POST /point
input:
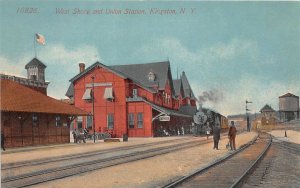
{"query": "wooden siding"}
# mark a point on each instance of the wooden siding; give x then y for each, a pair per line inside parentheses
(19, 130)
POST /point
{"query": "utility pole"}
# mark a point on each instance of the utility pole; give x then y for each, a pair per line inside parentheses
(93, 101)
(247, 115)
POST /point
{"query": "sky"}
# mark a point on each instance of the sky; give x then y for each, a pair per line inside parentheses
(230, 51)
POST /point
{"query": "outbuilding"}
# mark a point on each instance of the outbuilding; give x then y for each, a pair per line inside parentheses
(29, 117)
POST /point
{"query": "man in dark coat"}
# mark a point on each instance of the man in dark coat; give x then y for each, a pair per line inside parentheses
(216, 133)
(231, 135)
(74, 132)
(2, 141)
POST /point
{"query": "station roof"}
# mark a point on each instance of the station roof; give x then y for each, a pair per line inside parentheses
(138, 73)
(177, 86)
(188, 92)
(35, 62)
(18, 98)
(161, 109)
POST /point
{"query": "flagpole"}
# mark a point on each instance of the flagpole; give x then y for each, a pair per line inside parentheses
(34, 45)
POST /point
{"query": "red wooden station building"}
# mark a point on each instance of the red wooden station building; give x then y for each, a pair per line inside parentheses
(28, 116)
(140, 100)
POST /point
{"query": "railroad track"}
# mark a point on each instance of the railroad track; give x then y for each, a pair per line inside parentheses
(229, 171)
(287, 145)
(282, 157)
(58, 172)
(10, 166)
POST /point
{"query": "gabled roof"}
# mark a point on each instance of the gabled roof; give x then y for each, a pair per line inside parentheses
(288, 95)
(139, 72)
(177, 86)
(35, 62)
(267, 108)
(187, 90)
(70, 92)
(18, 98)
(92, 67)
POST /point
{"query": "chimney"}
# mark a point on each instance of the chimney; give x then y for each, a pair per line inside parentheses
(81, 67)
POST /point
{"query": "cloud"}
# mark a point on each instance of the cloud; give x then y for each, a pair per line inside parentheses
(62, 55)
(225, 74)
(11, 67)
(217, 53)
(254, 89)
(223, 53)
(61, 62)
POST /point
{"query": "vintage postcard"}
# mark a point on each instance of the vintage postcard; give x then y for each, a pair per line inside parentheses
(150, 93)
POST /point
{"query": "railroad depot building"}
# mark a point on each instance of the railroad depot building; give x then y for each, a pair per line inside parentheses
(28, 116)
(140, 100)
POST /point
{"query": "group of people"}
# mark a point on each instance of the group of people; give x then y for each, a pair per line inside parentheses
(217, 134)
(79, 135)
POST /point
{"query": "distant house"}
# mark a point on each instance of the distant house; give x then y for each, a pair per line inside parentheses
(266, 120)
(139, 100)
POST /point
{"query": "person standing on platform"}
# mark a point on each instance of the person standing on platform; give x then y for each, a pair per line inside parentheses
(216, 133)
(74, 135)
(231, 135)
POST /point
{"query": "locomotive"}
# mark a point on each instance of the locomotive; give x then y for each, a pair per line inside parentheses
(205, 120)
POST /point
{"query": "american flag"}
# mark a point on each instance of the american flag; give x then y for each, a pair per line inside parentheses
(40, 39)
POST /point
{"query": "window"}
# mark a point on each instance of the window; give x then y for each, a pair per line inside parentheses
(108, 93)
(35, 120)
(140, 120)
(87, 94)
(110, 121)
(134, 93)
(131, 120)
(151, 76)
(79, 122)
(89, 121)
(58, 121)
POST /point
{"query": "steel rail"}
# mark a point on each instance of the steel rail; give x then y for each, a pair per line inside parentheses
(287, 147)
(10, 166)
(199, 171)
(239, 181)
(89, 165)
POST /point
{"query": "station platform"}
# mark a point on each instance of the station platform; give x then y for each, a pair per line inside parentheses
(37, 152)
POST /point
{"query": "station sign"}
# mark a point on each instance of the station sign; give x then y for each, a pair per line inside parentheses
(98, 84)
(164, 118)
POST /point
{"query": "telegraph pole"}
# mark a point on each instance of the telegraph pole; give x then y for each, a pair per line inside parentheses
(247, 115)
(93, 101)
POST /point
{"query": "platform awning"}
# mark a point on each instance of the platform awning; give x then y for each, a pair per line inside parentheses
(160, 109)
(108, 93)
(168, 111)
(87, 94)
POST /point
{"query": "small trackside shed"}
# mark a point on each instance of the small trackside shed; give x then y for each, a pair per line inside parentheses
(29, 117)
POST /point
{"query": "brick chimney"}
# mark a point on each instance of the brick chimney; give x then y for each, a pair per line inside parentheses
(81, 67)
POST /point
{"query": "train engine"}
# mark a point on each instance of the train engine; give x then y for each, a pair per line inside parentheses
(205, 120)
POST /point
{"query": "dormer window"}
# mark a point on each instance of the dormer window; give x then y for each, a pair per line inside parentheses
(134, 93)
(151, 76)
